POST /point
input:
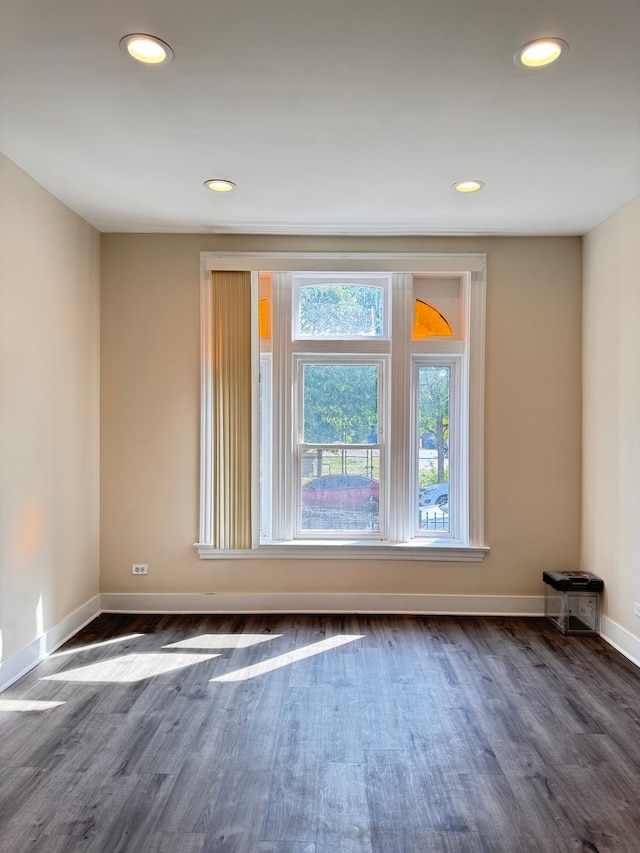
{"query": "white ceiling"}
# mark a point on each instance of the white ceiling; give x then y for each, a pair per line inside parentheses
(333, 116)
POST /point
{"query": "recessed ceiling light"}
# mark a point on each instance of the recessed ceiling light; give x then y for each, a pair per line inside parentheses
(147, 49)
(469, 186)
(540, 52)
(219, 185)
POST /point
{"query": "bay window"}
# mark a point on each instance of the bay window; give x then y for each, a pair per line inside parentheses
(367, 414)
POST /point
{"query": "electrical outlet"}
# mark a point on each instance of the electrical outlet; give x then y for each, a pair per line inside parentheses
(139, 569)
(636, 608)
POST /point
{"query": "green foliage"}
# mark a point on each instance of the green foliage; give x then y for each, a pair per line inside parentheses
(429, 476)
(433, 408)
(340, 310)
(340, 403)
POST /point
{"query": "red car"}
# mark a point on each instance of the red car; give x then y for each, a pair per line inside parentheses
(342, 491)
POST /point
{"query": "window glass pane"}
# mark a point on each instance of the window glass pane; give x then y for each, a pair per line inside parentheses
(265, 448)
(429, 322)
(340, 310)
(340, 404)
(262, 430)
(433, 448)
(340, 489)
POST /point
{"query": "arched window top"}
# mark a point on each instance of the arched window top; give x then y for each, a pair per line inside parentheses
(429, 322)
(340, 309)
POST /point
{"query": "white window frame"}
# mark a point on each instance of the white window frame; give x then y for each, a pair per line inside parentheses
(299, 361)
(300, 280)
(471, 270)
(458, 516)
(266, 416)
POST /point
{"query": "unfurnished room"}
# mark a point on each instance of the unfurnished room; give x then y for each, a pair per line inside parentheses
(319, 447)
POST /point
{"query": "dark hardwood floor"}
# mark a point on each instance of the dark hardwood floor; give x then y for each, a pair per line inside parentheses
(322, 734)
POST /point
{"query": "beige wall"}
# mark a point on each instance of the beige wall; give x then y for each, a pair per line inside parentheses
(611, 460)
(150, 421)
(49, 417)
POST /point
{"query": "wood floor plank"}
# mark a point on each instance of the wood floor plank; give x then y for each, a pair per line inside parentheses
(129, 819)
(291, 813)
(343, 816)
(427, 841)
(340, 730)
(237, 814)
(380, 718)
(194, 793)
(393, 777)
(602, 809)
(175, 842)
(47, 844)
(495, 814)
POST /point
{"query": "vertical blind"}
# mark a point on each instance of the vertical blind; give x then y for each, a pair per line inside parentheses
(232, 396)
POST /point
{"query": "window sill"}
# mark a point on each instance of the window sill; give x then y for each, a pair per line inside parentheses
(437, 551)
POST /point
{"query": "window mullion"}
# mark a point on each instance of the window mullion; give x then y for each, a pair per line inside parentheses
(458, 449)
(282, 470)
(266, 433)
(474, 301)
(401, 477)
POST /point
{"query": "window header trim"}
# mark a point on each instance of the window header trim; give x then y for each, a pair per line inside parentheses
(344, 262)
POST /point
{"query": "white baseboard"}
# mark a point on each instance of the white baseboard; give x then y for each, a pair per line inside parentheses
(454, 605)
(20, 663)
(622, 640)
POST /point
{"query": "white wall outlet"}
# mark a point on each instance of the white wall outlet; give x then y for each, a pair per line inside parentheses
(636, 608)
(139, 569)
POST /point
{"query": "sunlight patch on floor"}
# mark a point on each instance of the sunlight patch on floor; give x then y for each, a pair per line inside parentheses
(27, 705)
(130, 668)
(88, 648)
(289, 658)
(222, 641)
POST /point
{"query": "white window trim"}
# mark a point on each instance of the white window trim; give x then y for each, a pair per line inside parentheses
(354, 278)
(472, 270)
(265, 427)
(382, 363)
(458, 509)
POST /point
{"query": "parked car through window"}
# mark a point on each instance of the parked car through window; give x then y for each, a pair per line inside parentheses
(437, 493)
(342, 491)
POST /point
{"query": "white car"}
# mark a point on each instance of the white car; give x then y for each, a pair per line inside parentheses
(438, 493)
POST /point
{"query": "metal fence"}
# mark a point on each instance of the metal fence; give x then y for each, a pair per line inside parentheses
(313, 518)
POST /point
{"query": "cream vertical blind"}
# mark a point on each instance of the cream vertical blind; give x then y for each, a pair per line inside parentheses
(231, 417)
